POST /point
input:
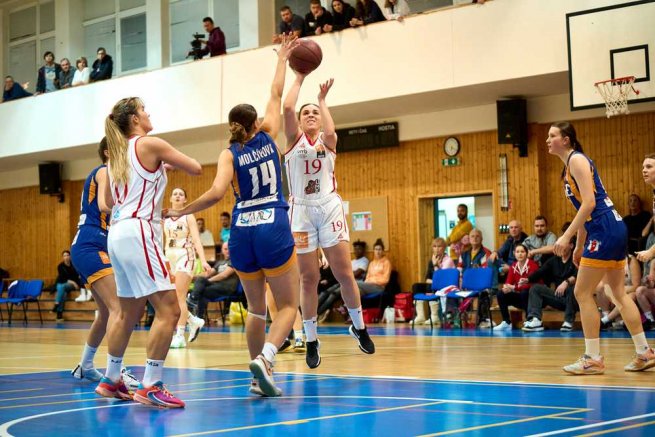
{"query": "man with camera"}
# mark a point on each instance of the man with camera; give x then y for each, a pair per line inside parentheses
(215, 45)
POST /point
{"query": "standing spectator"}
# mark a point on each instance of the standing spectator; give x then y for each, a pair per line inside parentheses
(461, 230)
(636, 221)
(225, 227)
(207, 240)
(82, 73)
(318, 20)
(102, 67)
(215, 44)
(516, 289)
(290, 24)
(66, 74)
(47, 81)
(367, 12)
(396, 9)
(342, 13)
(67, 280)
(540, 244)
(506, 252)
(14, 91)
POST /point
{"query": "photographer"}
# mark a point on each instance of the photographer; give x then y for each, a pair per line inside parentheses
(215, 45)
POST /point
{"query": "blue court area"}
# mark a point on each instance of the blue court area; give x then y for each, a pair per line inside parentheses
(218, 402)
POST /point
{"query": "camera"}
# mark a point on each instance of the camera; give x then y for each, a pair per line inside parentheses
(196, 46)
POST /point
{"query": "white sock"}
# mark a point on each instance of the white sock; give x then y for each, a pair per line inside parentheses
(605, 319)
(641, 345)
(153, 373)
(592, 347)
(357, 317)
(649, 315)
(87, 357)
(269, 352)
(310, 329)
(114, 366)
(606, 313)
(180, 332)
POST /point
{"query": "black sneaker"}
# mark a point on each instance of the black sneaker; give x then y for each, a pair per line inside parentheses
(313, 356)
(361, 335)
(605, 326)
(286, 345)
(648, 325)
(60, 316)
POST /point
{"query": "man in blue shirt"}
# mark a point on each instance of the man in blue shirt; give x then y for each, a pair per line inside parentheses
(225, 226)
(14, 91)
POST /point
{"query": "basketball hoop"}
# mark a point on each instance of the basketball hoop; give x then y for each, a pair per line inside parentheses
(615, 92)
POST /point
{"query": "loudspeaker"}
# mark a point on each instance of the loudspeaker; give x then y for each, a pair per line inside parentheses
(512, 121)
(50, 178)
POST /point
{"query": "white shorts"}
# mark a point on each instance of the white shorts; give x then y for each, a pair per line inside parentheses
(318, 223)
(140, 267)
(181, 260)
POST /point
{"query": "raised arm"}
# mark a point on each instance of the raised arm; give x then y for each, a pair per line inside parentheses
(329, 131)
(105, 200)
(291, 127)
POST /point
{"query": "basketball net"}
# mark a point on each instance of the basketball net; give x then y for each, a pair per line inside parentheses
(615, 92)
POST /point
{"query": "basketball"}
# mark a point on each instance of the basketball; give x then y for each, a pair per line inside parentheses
(306, 57)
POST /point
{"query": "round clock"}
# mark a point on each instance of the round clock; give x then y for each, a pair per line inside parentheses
(451, 146)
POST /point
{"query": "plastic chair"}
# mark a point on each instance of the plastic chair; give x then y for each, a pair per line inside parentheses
(478, 283)
(441, 278)
(239, 297)
(21, 293)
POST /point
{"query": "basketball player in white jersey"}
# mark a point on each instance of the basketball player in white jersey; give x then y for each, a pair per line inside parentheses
(181, 243)
(137, 182)
(316, 214)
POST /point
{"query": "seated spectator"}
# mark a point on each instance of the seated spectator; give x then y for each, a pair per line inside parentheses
(14, 91)
(207, 240)
(516, 289)
(47, 81)
(67, 280)
(636, 221)
(505, 254)
(82, 74)
(318, 20)
(102, 67)
(329, 291)
(360, 262)
(225, 227)
(559, 273)
(610, 313)
(66, 74)
(439, 260)
(379, 271)
(540, 244)
(461, 230)
(222, 280)
(646, 300)
(366, 12)
(342, 13)
(290, 24)
(396, 9)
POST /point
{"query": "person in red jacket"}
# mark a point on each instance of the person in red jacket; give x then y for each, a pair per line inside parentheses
(516, 289)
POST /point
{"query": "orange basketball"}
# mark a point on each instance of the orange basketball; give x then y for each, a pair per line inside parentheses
(306, 57)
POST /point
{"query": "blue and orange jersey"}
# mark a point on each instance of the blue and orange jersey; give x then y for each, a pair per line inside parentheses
(603, 202)
(257, 181)
(90, 214)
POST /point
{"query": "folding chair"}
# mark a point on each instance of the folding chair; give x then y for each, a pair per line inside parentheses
(477, 283)
(441, 278)
(21, 293)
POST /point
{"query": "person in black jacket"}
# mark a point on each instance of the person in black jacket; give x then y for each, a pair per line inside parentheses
(367, 12)
(561, 273)
(318, 20)
(46, 80)
(102, 67)
(342, 13)
(67, 280)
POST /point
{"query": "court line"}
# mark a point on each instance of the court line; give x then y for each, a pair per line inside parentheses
(22, 390)
(623, 428)
(594, 425)
(509, 422)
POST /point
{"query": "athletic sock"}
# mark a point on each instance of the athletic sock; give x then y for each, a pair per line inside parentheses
(87, 357)
(641, 345)
(649, 316)
(153, 373)
(605, 319)
(180, 332)
(114, 366)
(357, 317)
(592, 347)
(269, 352)
(310, 329)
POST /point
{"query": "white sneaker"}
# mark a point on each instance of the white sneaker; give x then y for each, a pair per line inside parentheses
(82, 296)
(178, 342)
(263, 372)
(195, 325)
(504, 326)
(90, 374)
(566, 327)
(533, 325)
(420, 320)
(486, 323)
(129, 379)
(88, 295)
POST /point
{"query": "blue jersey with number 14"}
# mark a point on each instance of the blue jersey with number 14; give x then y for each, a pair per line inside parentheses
(257, 181)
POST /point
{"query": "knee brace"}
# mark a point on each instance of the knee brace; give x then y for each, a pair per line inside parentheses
(257, 316)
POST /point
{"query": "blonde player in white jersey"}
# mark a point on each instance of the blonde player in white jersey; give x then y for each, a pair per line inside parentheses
(137, 179)
(316, 213)
(181, 242)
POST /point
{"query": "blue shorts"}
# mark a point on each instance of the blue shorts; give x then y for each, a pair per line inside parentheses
(89, 254)
(607, 242)
(261, 243)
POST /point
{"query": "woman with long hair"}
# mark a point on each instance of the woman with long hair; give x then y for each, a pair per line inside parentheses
(261, 244)
(600, 252)
(137, 182)
(181, 243)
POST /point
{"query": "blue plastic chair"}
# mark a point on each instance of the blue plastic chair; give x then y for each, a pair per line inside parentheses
(478, 282)
(440, 279)
(21, 293)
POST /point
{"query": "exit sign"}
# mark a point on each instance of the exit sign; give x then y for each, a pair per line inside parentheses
(449, 162)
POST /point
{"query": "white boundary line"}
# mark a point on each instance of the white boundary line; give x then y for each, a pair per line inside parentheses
(593, 425)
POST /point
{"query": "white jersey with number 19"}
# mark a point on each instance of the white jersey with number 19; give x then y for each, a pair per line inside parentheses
(310, 169)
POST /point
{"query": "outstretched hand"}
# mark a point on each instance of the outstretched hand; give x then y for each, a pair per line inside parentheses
(171, 212)
(288, 42)
(324, 89)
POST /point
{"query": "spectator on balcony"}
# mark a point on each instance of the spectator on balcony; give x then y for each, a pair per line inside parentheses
(14, 91)
(82, 74)
(215, 44)
(396, 9)
(66, 74)
(342, 13)
(102, 67)
(290, 24)
(540, 244)
(367, 12)
(317, 19)
(47, 81)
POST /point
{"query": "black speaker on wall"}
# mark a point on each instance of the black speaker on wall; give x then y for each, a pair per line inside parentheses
(50, 178)
(513, 123)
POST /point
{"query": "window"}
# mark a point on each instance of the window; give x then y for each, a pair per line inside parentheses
(131, 4)
(226, 16)
(22, 24)
(133, 42)
(47, 17)
(101, 34)
(22, 63)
